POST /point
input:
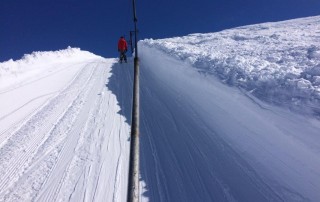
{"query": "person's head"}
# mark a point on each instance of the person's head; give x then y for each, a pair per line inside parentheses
(121, 37)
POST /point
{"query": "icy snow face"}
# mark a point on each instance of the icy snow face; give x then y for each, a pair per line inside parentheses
(277, 62)
(38, 62)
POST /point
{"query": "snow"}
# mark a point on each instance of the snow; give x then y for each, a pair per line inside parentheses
(61, 137)
(208, 141)
(277, 62)
(36, 63)
(204, 140)
(226, 116)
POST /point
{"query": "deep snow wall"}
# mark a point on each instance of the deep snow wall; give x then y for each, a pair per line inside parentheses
(277, 62)
(204, 140)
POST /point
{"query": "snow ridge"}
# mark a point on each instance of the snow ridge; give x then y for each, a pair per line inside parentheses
(276, 62)
(36, 63)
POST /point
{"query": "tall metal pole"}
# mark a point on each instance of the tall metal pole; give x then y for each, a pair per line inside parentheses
(131, 41)
(135, 20)
(133, 183)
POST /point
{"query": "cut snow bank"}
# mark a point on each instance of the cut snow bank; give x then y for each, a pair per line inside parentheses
(36, 63)
(276, 62)
(207, 141)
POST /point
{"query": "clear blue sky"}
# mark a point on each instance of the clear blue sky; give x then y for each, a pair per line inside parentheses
(96, 25)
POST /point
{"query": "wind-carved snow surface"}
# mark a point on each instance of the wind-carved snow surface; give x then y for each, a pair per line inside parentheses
(203, 140)
(276, 62)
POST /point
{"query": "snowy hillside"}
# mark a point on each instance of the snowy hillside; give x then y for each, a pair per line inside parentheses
(277, 62)
(218, 119)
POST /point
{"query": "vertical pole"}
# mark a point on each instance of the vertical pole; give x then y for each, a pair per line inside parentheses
(131, 42)
(135, 28)
(133, 183)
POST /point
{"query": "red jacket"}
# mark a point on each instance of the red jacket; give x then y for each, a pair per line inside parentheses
(122, 44)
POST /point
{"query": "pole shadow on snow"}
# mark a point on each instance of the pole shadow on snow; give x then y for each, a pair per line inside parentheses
(120, 84)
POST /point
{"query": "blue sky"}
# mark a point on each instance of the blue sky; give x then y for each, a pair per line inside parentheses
(96, 25)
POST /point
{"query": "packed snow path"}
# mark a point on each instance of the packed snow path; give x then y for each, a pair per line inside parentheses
(62, 137)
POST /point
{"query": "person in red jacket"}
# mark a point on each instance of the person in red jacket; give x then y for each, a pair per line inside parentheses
(122, 49)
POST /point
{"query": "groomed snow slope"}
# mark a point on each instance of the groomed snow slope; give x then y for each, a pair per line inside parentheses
(61, 136)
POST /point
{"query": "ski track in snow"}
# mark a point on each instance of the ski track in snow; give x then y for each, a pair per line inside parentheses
(37, 78)
(59, 151)
(13, 126)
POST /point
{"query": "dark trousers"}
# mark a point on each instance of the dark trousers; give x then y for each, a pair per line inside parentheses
(123, 55)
